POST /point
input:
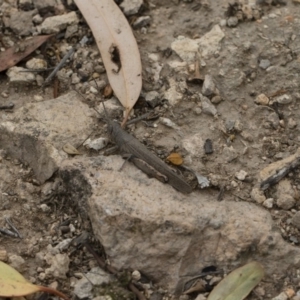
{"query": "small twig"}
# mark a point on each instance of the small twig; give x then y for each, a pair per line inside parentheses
(63, 61)
(140, 296)
(142, 117)
(38, 70)
(9, 222)
(8, 106)
(8, 232)
(59, 66)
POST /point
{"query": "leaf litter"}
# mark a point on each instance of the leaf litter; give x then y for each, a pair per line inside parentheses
(15, 54)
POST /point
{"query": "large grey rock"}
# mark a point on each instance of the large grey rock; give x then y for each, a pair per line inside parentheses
(36, 133)
(146, 225)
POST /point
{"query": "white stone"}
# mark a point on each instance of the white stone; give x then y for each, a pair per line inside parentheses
(186, 48)
(59, 265)
(45, 208)
(96, 144)
(210, 42)
(262, 99)
(131, 7)
(58, 23)
(36, 64)
(136, 275)
(268, 203)
(51, 119)
(20, 75)
(241, 175)
(172, 95)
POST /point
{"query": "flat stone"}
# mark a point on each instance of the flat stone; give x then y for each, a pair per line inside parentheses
(21, 22)
(283, 99)
(207, 107)
(131, 7)
(59, 265)
(56, 24)
(285, 194)
(186, 48)
(172, 94)
(232, 21)
(84, 287)
(20, 75)
(36, 133)
(148, 226)
(208, 87)
(264, 64)
(45, 5)
(210, 42)
(152, 98)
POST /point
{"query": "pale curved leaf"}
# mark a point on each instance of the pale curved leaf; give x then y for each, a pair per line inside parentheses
(239, 283)
(13, 284)
(118, 48)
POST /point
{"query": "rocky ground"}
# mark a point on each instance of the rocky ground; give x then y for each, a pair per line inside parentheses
(235, 122)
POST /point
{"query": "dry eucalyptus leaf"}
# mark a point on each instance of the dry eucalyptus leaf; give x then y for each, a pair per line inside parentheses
(175, 158)
(13, 284)
(68, 148)
(13, 55)
(118, 49)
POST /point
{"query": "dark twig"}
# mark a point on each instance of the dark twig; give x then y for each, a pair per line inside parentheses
(8, 232)
(7, 106)
(59, 66)
(9, 222)
(142, 117)
(63, 61)
(140, 296)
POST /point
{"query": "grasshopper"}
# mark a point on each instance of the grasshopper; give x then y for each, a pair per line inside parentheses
(144, 159)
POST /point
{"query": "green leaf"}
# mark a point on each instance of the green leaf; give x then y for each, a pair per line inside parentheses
(13, 284)
(239, 283)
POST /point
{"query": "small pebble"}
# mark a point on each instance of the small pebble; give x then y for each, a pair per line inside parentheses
(268, 203)
(136, 275)
(264, 64)
(38, 98)
(262, 99)
(216, 100)
(232, 22)
(4, 94)
(241, 175)
(234, 184)
(258, 195)
(45, 208)
(292, 123)
(3, 255)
